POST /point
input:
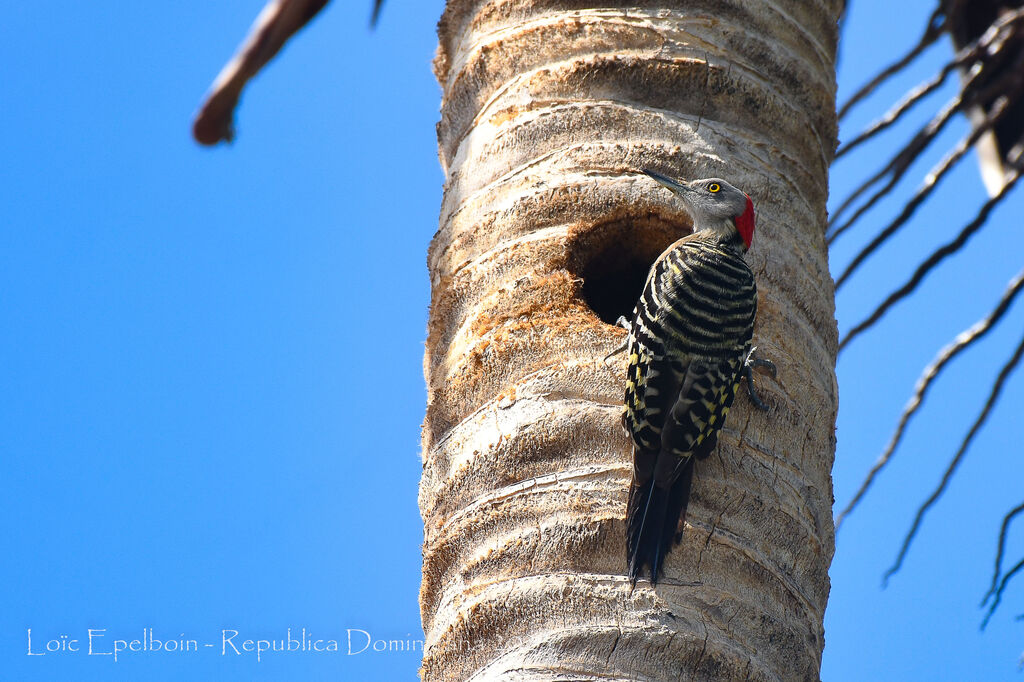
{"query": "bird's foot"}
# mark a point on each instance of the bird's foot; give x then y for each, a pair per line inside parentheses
(749, 365)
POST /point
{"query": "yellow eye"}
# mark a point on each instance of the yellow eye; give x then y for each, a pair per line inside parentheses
(714, 187)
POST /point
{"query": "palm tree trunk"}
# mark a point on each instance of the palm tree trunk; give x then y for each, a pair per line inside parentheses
(546, 232)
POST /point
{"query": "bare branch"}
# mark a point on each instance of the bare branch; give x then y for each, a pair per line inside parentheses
(963, 341)
(899, 164)
(929, 263)
(997, 388)
(969, 95)
(931, 181)
(901, 107)
(936, 24)
(977, 51)
(1001, 548)
(279, 21)
(999, 592)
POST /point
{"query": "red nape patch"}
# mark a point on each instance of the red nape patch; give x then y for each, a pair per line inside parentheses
(745, 223)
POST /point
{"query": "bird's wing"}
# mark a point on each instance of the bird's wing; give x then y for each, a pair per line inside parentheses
(691, 427)
(663, 470)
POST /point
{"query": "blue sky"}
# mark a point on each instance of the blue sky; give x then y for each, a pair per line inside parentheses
(196, 350)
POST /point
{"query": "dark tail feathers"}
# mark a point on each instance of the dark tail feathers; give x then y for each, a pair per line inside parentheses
(653, 515)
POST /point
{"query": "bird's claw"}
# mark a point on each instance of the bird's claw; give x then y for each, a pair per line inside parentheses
(615, 352)
(623, 322)
(749, 365)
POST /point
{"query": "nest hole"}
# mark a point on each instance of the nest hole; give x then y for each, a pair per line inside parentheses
(613, 260)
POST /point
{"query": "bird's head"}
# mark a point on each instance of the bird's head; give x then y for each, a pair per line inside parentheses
(714, 205)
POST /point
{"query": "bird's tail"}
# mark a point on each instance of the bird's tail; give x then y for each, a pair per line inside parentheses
(654, 513)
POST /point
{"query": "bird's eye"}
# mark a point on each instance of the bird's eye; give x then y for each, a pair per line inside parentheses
(714, 187)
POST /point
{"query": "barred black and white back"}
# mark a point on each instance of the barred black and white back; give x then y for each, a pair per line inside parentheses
(689, 338)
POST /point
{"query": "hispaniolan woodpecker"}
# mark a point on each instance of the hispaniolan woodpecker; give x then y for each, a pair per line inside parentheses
(689, 345)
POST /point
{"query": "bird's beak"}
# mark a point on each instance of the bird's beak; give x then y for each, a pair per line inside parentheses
(680, 188)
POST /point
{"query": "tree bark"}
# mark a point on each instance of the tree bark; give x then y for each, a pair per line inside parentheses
(546, 233)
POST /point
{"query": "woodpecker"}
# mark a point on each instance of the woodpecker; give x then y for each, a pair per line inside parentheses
(689, 345)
